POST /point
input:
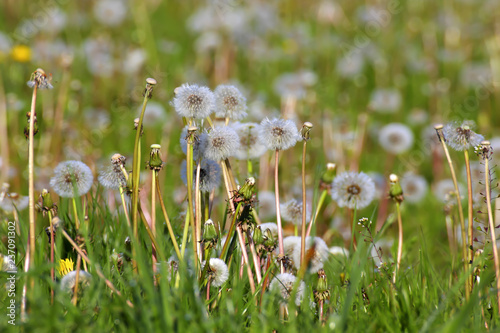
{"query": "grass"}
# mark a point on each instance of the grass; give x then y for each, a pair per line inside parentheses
(89, 116)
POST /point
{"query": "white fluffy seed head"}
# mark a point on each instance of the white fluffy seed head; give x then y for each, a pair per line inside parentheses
(460, 136)
(319, 256)
(71, 177)
(222, 142)
(250, 145)
(396, 138)
(210, 173)
(283, 283)
(217, 272)
(353, 190)
(14, 201)
(278, 134)
(69, 280)
(193, 101)
(414, 187)
(230, 103)
(291, 211)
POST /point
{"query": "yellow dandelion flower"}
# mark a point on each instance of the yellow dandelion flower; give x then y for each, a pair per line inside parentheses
(21, 53)
(65, 266)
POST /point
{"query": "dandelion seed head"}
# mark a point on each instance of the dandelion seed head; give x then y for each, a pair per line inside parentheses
(210, 173)
(278, 134)
(353, 190)
(69, 280)
(291, 211)
(193, 101)
(396, 138)
(444, 190)
(267, 204)
(14, 201)
(217, 272)
(460, 136)
(414, 187)
(110, 12)
(339, 251)
(230, 102)
(385, 100)
(222, 142)
(320, 255)
(70, 176)
(283, 283)
(250, 145)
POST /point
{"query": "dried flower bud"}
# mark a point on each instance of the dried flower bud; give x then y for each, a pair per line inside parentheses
(306, 129)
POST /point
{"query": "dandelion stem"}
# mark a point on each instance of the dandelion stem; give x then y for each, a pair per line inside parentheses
(75, 213)
(459, 205)
(137, 158)
(31, 161)
(318, 209)
(77, 280)
(153, 213)
(278, 214)
(230, 233)
(189, 166)
(245, 258)
(124, 205)
(304, 209)
(400, 241)
(490, 221)
(52, 274)
(167, 220)
(255, 256)
(197, 205)
(470, 215)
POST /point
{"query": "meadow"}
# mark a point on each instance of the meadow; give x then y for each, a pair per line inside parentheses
(260, 166)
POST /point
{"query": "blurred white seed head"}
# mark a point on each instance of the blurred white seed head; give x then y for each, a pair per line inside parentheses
(291, 211)
(110, 12)
(320, 255)
(210, 172)
(193, 101)
(222, 142)
(283, 283)
(250, 145)
(69, 280)
(385, 100)
(71, 176)
(339, 251)
(396, 138)
(267, 204)
(278, 134)
(444, 190)
(353, 190)
(230, 102)
(14, 201)
(414, 187)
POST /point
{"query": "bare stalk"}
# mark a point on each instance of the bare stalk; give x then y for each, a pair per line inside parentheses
(470, 214)
(486, 156)
(439, 131)
(278, 213)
